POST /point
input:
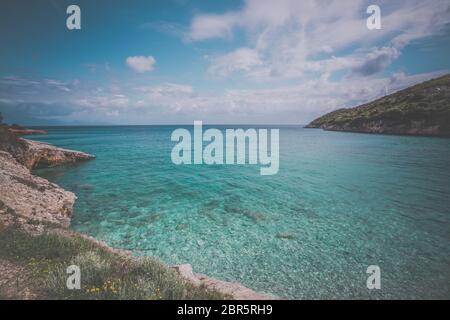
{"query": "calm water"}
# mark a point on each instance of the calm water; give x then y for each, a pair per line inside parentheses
(340, 202)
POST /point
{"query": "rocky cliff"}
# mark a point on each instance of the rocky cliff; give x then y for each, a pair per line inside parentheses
(423, 109)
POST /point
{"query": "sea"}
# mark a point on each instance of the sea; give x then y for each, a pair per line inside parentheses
(340, 203)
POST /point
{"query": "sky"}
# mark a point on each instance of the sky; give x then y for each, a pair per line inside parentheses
(222, 62)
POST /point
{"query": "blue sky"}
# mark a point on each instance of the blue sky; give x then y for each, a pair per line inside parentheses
(170, 62)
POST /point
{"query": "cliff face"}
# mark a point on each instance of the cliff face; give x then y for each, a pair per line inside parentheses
(423, 109)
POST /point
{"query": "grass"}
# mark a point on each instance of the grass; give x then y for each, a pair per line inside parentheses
(104, 274)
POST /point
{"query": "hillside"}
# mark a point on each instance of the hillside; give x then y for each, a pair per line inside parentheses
(423, 109)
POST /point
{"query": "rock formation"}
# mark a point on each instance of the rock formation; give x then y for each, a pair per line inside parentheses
(39, 154)
(34, 154)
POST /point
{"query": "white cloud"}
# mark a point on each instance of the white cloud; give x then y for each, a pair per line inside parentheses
(289, 104)
(294, 37)
(106, 101)
(141, 63)
(181, 103)
(212, 26)
(242, 59)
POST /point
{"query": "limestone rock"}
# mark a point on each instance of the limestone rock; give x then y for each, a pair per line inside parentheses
(41, 154)
(34, 154)
(28, 197)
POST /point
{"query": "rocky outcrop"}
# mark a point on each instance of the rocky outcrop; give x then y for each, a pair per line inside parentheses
(233, 289)
(34, 154)
(26, 198)
(39, 154)
(423, 109)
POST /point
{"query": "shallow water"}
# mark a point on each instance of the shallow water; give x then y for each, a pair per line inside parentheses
(340, 202)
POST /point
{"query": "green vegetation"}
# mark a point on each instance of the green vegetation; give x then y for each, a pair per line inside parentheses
(104, 274)
(423, 108)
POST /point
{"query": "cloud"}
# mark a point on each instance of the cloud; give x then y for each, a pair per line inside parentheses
(298, 60)
(295, 38)
(168, 89)
(182, 103)
(298, 103)
(376, 61)
(140, 63)
(242, 59)
(210, 26)
(107, 102)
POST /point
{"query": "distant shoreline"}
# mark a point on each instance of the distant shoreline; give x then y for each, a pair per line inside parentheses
(420, 110)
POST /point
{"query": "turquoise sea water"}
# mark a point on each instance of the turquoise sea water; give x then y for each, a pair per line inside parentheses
(340, 202)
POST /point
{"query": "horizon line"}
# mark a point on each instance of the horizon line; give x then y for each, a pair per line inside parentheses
(160, 125)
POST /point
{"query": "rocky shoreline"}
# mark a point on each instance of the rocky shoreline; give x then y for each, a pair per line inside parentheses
(35, 205)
